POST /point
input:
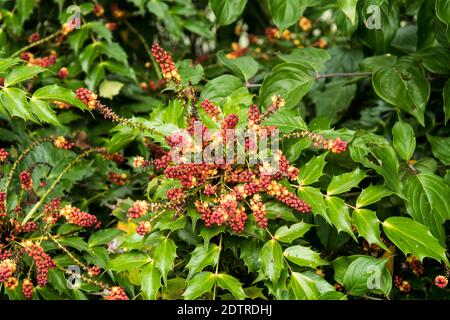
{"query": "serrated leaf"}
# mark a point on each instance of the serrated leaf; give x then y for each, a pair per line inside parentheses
(289, 234)
(315, 198)
(200, 284)
(338, 214)
(150, 281)
(372, 194)
(231, 284)
(129, 261)
(271, 259)
(43, 111)
(277, 210)
(345, 182)
(413, 237)
(22, 73)
(303, 287)
(53, 92)
(312, 170)
(304, 256)
(404, 140)
(368, 225)
(15, 102)
(5, 64)
(165, 254)
(202, 257)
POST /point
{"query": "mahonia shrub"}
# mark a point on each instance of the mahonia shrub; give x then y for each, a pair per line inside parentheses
(224, 150)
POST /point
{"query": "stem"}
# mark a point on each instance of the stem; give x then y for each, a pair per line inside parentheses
(147, 48)
(253, 85)
(35, 44)
(55, 183)
(343, 74)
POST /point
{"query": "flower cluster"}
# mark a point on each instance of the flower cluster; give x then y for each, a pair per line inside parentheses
(119, 179)
(138, 209)
(62, 143)
(51, 211)
(7, 269)
(77, 217)
(42, 260)
(166, 63)
(89, 98)
(26, 182)
(415, 265)
(144, 228)
(27, 288)
(3, 155)
(116, 293)
(212, 111)
(441, 282)
(12, 283)
(403, 285)
(45, 62)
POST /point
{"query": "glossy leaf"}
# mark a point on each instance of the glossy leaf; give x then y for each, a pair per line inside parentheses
(345, 182)
(271, 259)
(289, 234)
(304, 256)
(200, 284)
(231, 284)
(227, 11)
(368, 225)
(312, 170)
(404, 140)
(165, 254)
(372, 194)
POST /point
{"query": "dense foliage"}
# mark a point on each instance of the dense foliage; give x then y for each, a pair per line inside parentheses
(101, 104)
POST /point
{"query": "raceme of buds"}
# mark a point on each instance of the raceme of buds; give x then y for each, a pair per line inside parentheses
(166, 63)
(212, 111)
(7, 269)
(94, 271)
(3, 155)
(144, 228)
(27, 288)
(42, 260)
(51, 211)
(34, 37)
(89, 98)
(119, 179)
(62, 143)
(116, 293)
(26, 180)
(138, 209)
(77, 217)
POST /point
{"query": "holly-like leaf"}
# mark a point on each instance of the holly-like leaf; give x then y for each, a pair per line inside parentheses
(43, 111)
(372, 194)
(165, 254)
(345, 182)
(271, 259)
(128, 261)
(53, 92)
(150, 281)
(413, 237)
(312, 170)
(202, 257)
(200, 284)
(103, 236)
(338, 214)
(303, 287)
(289, 234)
(14, 100)
(404, 140)
(231, 284)
(304, 256)
(368, 226)
(22, 73)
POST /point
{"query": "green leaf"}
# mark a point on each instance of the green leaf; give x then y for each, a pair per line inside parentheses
(44, 112)
(54, 92)
(227, 11)
(128, 261)
(221, 87)
(367, 274)
(375, 63)
(89, 54)
(292, 148)
(150, 281)
(5, 64)
(289, 234)
(158, 8)
(404, 140)
(304, 256)
(114, 51)
(291, 81)
(100, 29)
(349, 9)
(15, 102)
(165, 254)
(338, 214)
(278, 210)
(271, 259)
(24, 9)
(286, 121)
(103, 237)
(446, 98)
(201, 283)
(441, 148)
(312, 170)
(345, 182)
(429, 202)
(74, 242)
(303, 287)
(22, 73)
(190, 72)
(109, 89)
(310, 57)
(435, 59)
(413, 237)
(315, 198)
(199, 27)
(405, 86)
(371, 195)
(368, 226)
(231, 284)
(202, 257)
(443, 13)
(243, 67)
(285, 13)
